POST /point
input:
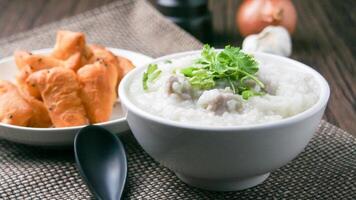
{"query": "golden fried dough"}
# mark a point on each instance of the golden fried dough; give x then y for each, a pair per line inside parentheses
(29, 63)
(109, 60)
(74, 62)
(40, 116)
(36, 61)
(13, 108)
(21, 78)
(69, 44)
(125, 66)
(75, 85)
(21, 58)
(59, 88)
(97, 91)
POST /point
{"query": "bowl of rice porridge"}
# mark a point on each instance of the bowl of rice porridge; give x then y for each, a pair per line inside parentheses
(223, 119)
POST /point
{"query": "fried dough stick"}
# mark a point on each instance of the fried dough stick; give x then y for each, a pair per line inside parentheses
(40, 116)
(71, 45)
(59, 89)
(97, 92)
(29, 63)
(109, 60)
(19, 109)
(125, 66)
(37, 62)
(13, 108)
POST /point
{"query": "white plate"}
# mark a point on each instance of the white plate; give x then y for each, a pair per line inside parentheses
(60, 136)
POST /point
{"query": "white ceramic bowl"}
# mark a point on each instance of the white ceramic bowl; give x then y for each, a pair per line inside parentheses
(224, 158)
(60, 136)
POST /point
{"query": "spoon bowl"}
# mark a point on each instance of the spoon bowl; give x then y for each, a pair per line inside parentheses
(101, 160)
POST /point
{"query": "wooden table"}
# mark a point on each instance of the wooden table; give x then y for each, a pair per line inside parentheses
(324, 39)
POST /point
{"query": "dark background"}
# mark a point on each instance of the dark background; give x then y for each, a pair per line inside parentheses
(324, 39)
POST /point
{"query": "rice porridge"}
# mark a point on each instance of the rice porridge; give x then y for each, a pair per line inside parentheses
(183, 94)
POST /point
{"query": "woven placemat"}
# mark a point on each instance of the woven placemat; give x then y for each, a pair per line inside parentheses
(325, 170)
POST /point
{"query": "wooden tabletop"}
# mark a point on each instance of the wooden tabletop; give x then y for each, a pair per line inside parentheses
(324, 39)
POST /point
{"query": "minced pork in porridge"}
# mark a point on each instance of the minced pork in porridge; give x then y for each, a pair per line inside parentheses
(223, 88)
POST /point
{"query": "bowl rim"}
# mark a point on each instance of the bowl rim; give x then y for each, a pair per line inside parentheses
(319, 105)
(107, 123)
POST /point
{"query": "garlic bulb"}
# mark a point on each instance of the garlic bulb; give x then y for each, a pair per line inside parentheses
(273, 39)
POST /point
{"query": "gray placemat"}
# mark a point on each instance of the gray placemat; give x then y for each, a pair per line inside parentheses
(325, 170)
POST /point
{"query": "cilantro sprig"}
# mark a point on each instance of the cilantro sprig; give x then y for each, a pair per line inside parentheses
(231, 65)
(150, 75)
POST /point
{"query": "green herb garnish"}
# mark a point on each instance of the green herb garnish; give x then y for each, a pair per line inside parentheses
(231, 65)
(250, 93)
(150, 75)
(167, 62)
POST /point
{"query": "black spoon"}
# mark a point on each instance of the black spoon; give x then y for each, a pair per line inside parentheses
(101, 161)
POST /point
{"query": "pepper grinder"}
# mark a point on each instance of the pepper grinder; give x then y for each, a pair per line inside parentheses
(191, 15)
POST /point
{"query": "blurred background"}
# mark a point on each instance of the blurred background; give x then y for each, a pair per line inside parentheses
(21, 15)
(324, 35)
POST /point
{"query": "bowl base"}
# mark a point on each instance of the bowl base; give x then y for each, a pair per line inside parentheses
(223, 185)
